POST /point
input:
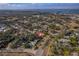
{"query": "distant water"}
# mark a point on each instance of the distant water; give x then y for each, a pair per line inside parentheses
(61, 11)
(39, 11)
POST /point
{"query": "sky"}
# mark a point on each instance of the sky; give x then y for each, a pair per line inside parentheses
(20, 6)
